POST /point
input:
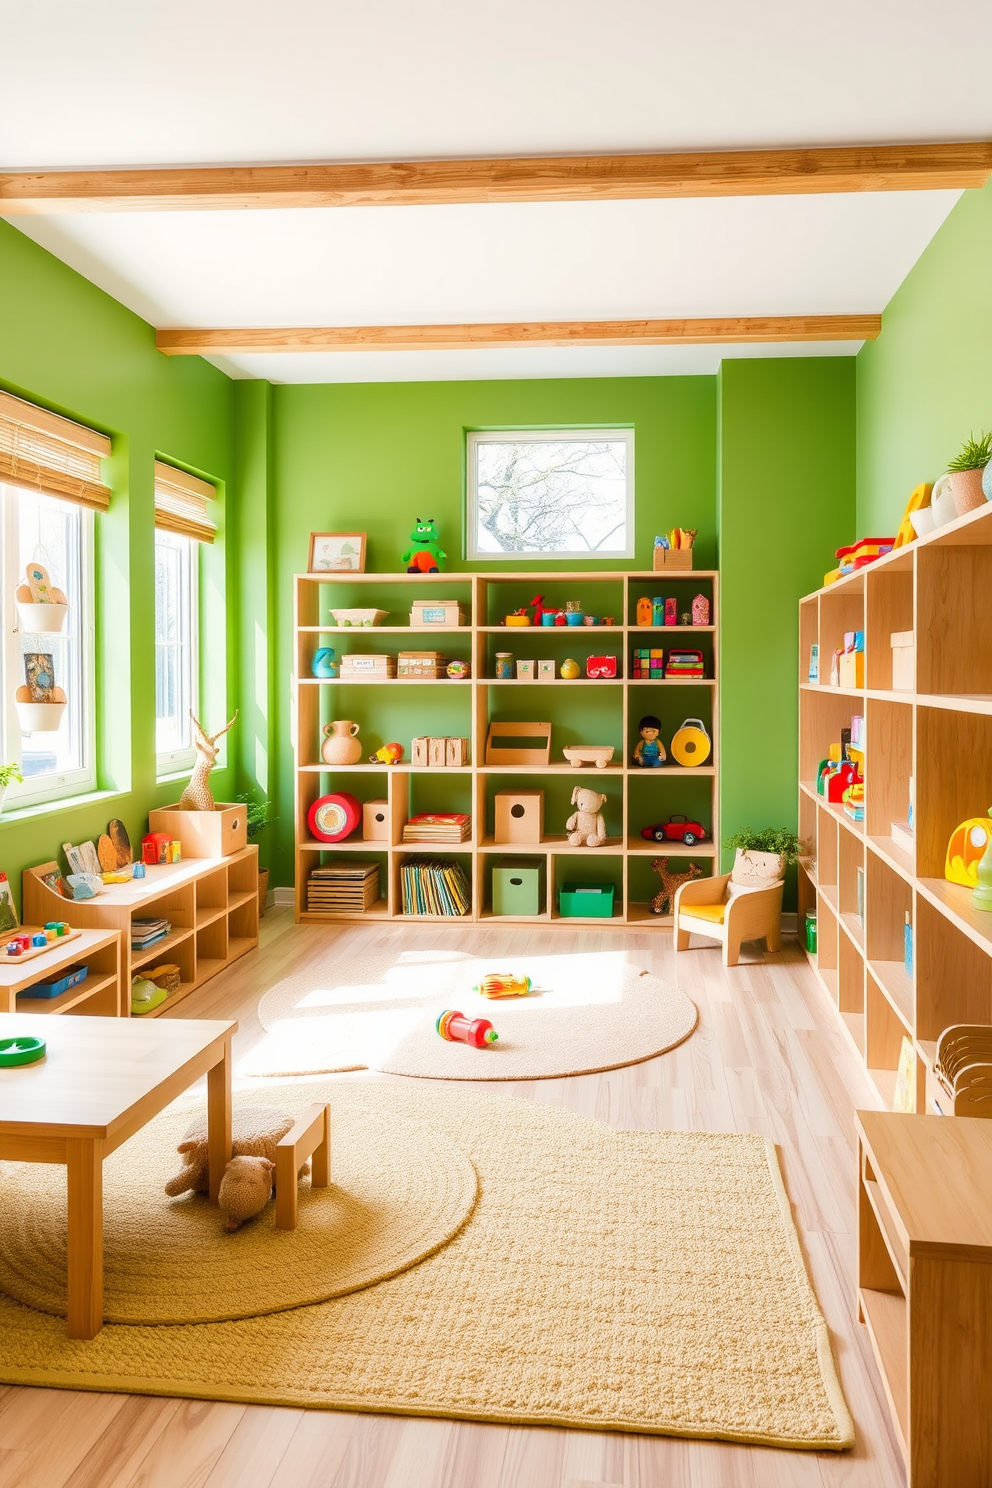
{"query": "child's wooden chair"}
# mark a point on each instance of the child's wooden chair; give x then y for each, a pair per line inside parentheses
(705, 906)
(310, 1137)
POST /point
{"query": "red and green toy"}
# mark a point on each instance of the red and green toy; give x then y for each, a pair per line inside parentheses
(456, 1028)
(426, 555)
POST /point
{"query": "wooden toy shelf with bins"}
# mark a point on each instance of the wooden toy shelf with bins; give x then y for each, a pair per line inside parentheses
(939, 736)
(212, 904)
(100, 995)
(581, 711)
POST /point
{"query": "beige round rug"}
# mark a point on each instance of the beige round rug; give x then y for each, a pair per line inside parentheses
(588, 1012)
(398, 1193)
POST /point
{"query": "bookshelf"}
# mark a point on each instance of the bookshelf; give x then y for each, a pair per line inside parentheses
(583, 711)
(938, 736)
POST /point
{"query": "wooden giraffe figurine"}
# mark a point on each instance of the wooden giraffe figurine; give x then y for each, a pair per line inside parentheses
(197, 795)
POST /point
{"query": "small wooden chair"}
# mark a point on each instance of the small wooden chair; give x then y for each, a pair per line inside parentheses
(309, 1138)
(705, 907)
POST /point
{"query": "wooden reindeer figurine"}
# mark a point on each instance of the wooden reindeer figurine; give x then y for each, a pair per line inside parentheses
(197, 795)
(664, 900)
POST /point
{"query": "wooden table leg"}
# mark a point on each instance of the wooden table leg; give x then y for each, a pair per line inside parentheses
(219, 1120)
(84, 1159)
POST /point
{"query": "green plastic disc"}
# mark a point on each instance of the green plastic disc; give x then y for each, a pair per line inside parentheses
(23, 1050)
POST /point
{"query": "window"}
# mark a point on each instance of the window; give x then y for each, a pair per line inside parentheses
(35, 527)
(548, 493)
(176, 650)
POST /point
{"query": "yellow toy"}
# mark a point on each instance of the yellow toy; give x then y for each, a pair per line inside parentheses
(917, 501)
(966, 849)
(503, 984)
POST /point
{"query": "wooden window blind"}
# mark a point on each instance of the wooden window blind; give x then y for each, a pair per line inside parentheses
(181, 503)
(42, 451)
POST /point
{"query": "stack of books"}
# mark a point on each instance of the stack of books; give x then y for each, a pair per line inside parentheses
(146, 932)
(343, 888)
(685, 664)
(434, 886)
(438, 826)
(375, 665)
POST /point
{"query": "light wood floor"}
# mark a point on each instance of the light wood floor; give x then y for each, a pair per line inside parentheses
(768, 1056)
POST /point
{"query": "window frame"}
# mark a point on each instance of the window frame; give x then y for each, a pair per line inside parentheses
(476, 437)
(61, 785)
(170, 763)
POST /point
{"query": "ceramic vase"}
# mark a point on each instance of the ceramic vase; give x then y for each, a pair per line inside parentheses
(922, 520)
(758, 869)
(942, 502)
(341, 746)
(966, 488)
(987, 481)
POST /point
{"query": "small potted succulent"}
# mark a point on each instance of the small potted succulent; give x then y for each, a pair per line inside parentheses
(8, 774)
(258, 818)
(966, 471)
(762, 856)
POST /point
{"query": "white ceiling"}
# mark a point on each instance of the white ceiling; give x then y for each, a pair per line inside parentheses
(198, 81)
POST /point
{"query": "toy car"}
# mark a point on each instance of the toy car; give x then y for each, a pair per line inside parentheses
(676, 829)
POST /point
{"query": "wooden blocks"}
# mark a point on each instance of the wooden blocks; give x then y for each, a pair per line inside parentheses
(457, 753)
(375, 821)
(439, 753)
(309, 1138)
(519, 816)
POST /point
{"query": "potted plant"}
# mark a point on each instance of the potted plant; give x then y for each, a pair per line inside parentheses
(966, 470)
(8, 774)
(257, 819)
(762, 855)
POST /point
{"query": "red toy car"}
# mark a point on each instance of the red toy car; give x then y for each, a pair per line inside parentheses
(676, 829)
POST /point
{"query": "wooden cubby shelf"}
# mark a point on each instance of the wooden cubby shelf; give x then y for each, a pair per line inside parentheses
(933, 744)
(211, 903)
(581, 711)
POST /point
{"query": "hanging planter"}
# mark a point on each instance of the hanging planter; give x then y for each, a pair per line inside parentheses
(39, 718)
(42, 619)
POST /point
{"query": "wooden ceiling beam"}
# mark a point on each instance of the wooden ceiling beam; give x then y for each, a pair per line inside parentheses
(930, 167)
(726, 329)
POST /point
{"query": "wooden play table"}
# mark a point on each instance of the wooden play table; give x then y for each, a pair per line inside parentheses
(101, 1080)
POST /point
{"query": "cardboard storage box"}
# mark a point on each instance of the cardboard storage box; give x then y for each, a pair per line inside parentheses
(519, 816)
(517, 886)
(204, 834)
(903, 644)
(585, 900)
(669, 558)
(445, 614)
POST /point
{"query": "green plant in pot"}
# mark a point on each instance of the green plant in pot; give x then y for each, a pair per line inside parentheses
(966, 472)
(762, 855)
(257, 819)
(8, 774)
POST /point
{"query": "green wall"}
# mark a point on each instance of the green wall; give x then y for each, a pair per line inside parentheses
(786, 501)
(70, 347)
(926, 383)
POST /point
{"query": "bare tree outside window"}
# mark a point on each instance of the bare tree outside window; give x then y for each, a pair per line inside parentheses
(542, 493)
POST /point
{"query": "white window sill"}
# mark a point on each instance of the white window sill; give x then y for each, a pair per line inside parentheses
(65, 803)
(171, 775)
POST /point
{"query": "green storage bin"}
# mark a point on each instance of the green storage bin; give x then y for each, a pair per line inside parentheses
(517, 886)
(588, 900)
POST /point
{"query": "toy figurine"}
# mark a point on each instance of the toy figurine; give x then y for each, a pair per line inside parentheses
(649, 752)
(426, 555)
(387, 754)
(644, 610)
(664, 900)
(197, 796)
(325, 663)
(455, 1027)
(540, 610)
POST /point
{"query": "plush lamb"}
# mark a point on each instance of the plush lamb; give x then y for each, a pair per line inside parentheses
(255, 1131)
(586, 827)
(245, 1189)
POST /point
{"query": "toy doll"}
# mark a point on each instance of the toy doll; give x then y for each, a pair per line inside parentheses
(649, 752)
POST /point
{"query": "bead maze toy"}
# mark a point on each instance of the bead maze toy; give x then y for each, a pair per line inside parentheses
(456, 1028)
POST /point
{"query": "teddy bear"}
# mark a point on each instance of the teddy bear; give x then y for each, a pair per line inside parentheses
(245, 1189)
(586, 827)
(255, 1134)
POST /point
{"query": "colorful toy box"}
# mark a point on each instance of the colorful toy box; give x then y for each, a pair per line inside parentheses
(647, 663)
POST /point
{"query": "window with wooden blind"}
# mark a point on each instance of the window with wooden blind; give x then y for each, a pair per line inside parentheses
(181, 503)
(41, 451)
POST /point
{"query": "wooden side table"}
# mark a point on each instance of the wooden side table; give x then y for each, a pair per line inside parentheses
(925, 1287)
(101, 1080)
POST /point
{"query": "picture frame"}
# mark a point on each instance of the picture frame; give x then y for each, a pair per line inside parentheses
(337, 552)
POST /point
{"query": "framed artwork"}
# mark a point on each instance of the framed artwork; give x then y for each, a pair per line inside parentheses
(337, 552)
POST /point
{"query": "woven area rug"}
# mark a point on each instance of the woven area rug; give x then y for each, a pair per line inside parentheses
(590, 1012)
(629, 1280)
(398, 1193)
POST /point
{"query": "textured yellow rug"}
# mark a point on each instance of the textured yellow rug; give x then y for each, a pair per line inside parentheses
(588, 1012)
(639, 1281)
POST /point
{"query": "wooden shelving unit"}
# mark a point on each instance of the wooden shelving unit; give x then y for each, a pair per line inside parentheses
(581, 712)
(925, 1287)
(212, 904)
(938, 736)
(99, 995)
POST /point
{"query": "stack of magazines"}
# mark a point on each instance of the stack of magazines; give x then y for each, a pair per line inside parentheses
(435, 886)
(438, 826)
(146, 932)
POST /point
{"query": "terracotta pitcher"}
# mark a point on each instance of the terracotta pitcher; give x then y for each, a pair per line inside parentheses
(341, 746)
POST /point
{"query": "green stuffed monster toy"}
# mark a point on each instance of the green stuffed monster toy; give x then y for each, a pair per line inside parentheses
(426, 555)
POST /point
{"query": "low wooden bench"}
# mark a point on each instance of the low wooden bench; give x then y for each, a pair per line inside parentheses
(309, 1138)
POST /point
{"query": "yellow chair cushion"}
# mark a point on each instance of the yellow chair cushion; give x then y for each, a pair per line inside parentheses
(712, 912)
